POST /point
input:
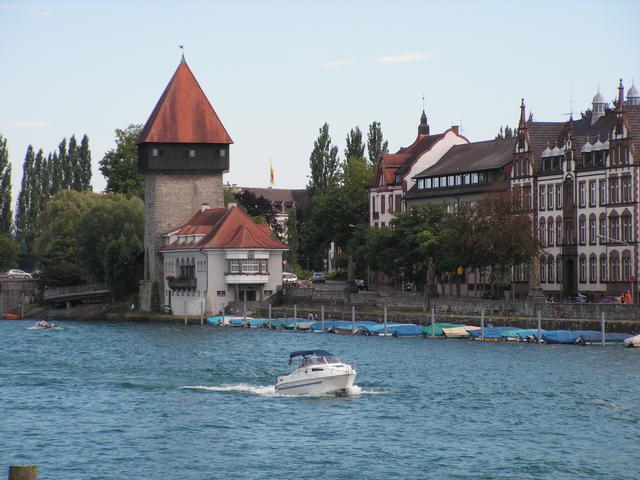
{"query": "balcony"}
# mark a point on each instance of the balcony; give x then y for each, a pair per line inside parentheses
(182, 283)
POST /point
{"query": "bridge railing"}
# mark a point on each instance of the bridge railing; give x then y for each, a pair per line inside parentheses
(74, 289)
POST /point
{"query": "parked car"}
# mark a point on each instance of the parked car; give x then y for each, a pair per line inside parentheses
(289, 279)
(317, 277)
(357, 284)
(15, 273)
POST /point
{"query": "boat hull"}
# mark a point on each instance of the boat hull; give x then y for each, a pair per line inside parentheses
(337, 383)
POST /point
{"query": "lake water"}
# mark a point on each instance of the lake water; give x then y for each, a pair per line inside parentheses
(159, 401)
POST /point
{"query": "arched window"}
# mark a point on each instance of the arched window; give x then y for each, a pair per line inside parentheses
(614, 226)
(550, 232)
(582, 230)
(593, 268)
(603, 229)
(603, 268)
(627, 226)
(593, 229)
(550, 268)
(614, 266)
(583, 268)
(626, 265)
(543, 270)
(558, 231)
(559, 269)
(541, 232)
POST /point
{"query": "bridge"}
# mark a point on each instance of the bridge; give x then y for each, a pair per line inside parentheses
(90, 291)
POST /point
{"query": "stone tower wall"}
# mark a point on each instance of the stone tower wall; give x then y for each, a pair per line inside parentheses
(170, 201)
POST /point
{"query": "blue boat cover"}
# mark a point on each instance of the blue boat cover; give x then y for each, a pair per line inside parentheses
(407, 330)
(489, 332)
(564, 336)
(594, 337)
(306, 353)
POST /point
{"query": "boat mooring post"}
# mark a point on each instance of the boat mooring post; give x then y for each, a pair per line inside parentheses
(201, 314)
(244, 322)
(602, 317)
(353, 319)
(322, 317)
(433, 322)
(482, 325)
(539, 326)
(385, 320)
(185, 313)
(23, 472)
(269, 316)
(295, 317)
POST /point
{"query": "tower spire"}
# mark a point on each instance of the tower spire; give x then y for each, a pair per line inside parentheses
(521, 124)
(182, 60)
(423, 128)
(620, 96)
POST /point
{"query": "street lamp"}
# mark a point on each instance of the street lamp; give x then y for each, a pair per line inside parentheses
(633, 279)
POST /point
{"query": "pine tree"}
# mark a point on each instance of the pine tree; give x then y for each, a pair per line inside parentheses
(355, 146)
(324, 163)
(84, 158)
(5, 188)
(24, 231)
(375, 144)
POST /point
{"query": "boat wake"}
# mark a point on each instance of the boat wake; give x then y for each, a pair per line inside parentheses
(269, 390)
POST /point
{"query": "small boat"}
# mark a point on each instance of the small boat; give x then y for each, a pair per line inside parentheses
(222, 320)
(632, 342)
(459, 332)
(319, 373)
(610, 338)
(42, 324)
(12, 316)
(565, 336)
(437, 329)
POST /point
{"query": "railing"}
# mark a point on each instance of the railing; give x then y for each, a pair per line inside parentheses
(73, 290)
(182, 283)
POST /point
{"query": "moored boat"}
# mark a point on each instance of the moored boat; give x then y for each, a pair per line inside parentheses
(319, 373)
(632, 342)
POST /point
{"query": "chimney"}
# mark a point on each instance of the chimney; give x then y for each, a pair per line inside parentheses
(456, 129)
(231, 205)
(204, 207)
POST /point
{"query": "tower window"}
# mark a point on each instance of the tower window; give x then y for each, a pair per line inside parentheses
(222, 153)
(191, 153)
(154, 152)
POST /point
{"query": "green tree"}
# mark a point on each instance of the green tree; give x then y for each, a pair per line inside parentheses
(84, 164)
(6, 215)
(120, 165)
(25, 230)
(355, 145)
(324, 163)
(110, 236)
(72, 173)
(55, 174)
(376, 145)
(508, 132)
(228, 194)
(8, 252)
(259, 207)
(63, 168)
(293, 240)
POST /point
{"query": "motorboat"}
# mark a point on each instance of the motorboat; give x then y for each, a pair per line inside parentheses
(44, 324)
(319, 373)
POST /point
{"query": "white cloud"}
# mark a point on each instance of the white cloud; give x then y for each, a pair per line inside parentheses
(337, 63)
(404, 57)
(24, 125)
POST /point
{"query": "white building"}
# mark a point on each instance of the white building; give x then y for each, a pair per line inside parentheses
(395, 174)
(219, 258)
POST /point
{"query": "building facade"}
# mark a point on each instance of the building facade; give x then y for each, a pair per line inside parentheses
(580, 181)
(395, 174)
(219, 258)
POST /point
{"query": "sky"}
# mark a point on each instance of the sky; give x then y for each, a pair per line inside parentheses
(276, 71)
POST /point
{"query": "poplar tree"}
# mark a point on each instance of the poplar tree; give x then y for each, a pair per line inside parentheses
(73, 172)
(375, 144)
(355, 145)
(324, 163)
(5, 188)
(55, 174)
(62, 165)
(84, 160)
(24, 230)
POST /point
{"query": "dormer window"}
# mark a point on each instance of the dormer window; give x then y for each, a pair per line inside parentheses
(191, 153)
(222, 153)
(156, 152)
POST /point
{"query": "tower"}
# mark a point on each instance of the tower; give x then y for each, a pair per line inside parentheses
(599, 104)
(423, 128)
(183, 151)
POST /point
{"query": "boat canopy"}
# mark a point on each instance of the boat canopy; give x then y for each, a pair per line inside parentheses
(307, 353)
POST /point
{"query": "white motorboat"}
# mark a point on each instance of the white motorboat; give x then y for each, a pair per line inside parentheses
(632, 342)
(319, 372)
(42, 324)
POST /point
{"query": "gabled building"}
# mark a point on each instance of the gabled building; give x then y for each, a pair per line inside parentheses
(219, 258)
(580, 180)
(395, 174)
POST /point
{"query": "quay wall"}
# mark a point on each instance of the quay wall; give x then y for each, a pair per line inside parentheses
(16, 292)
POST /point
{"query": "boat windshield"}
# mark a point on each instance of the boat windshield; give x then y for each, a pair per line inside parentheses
(332, 359)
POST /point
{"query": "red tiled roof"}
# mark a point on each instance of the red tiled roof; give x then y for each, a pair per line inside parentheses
(183, 114)
(224, 228)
